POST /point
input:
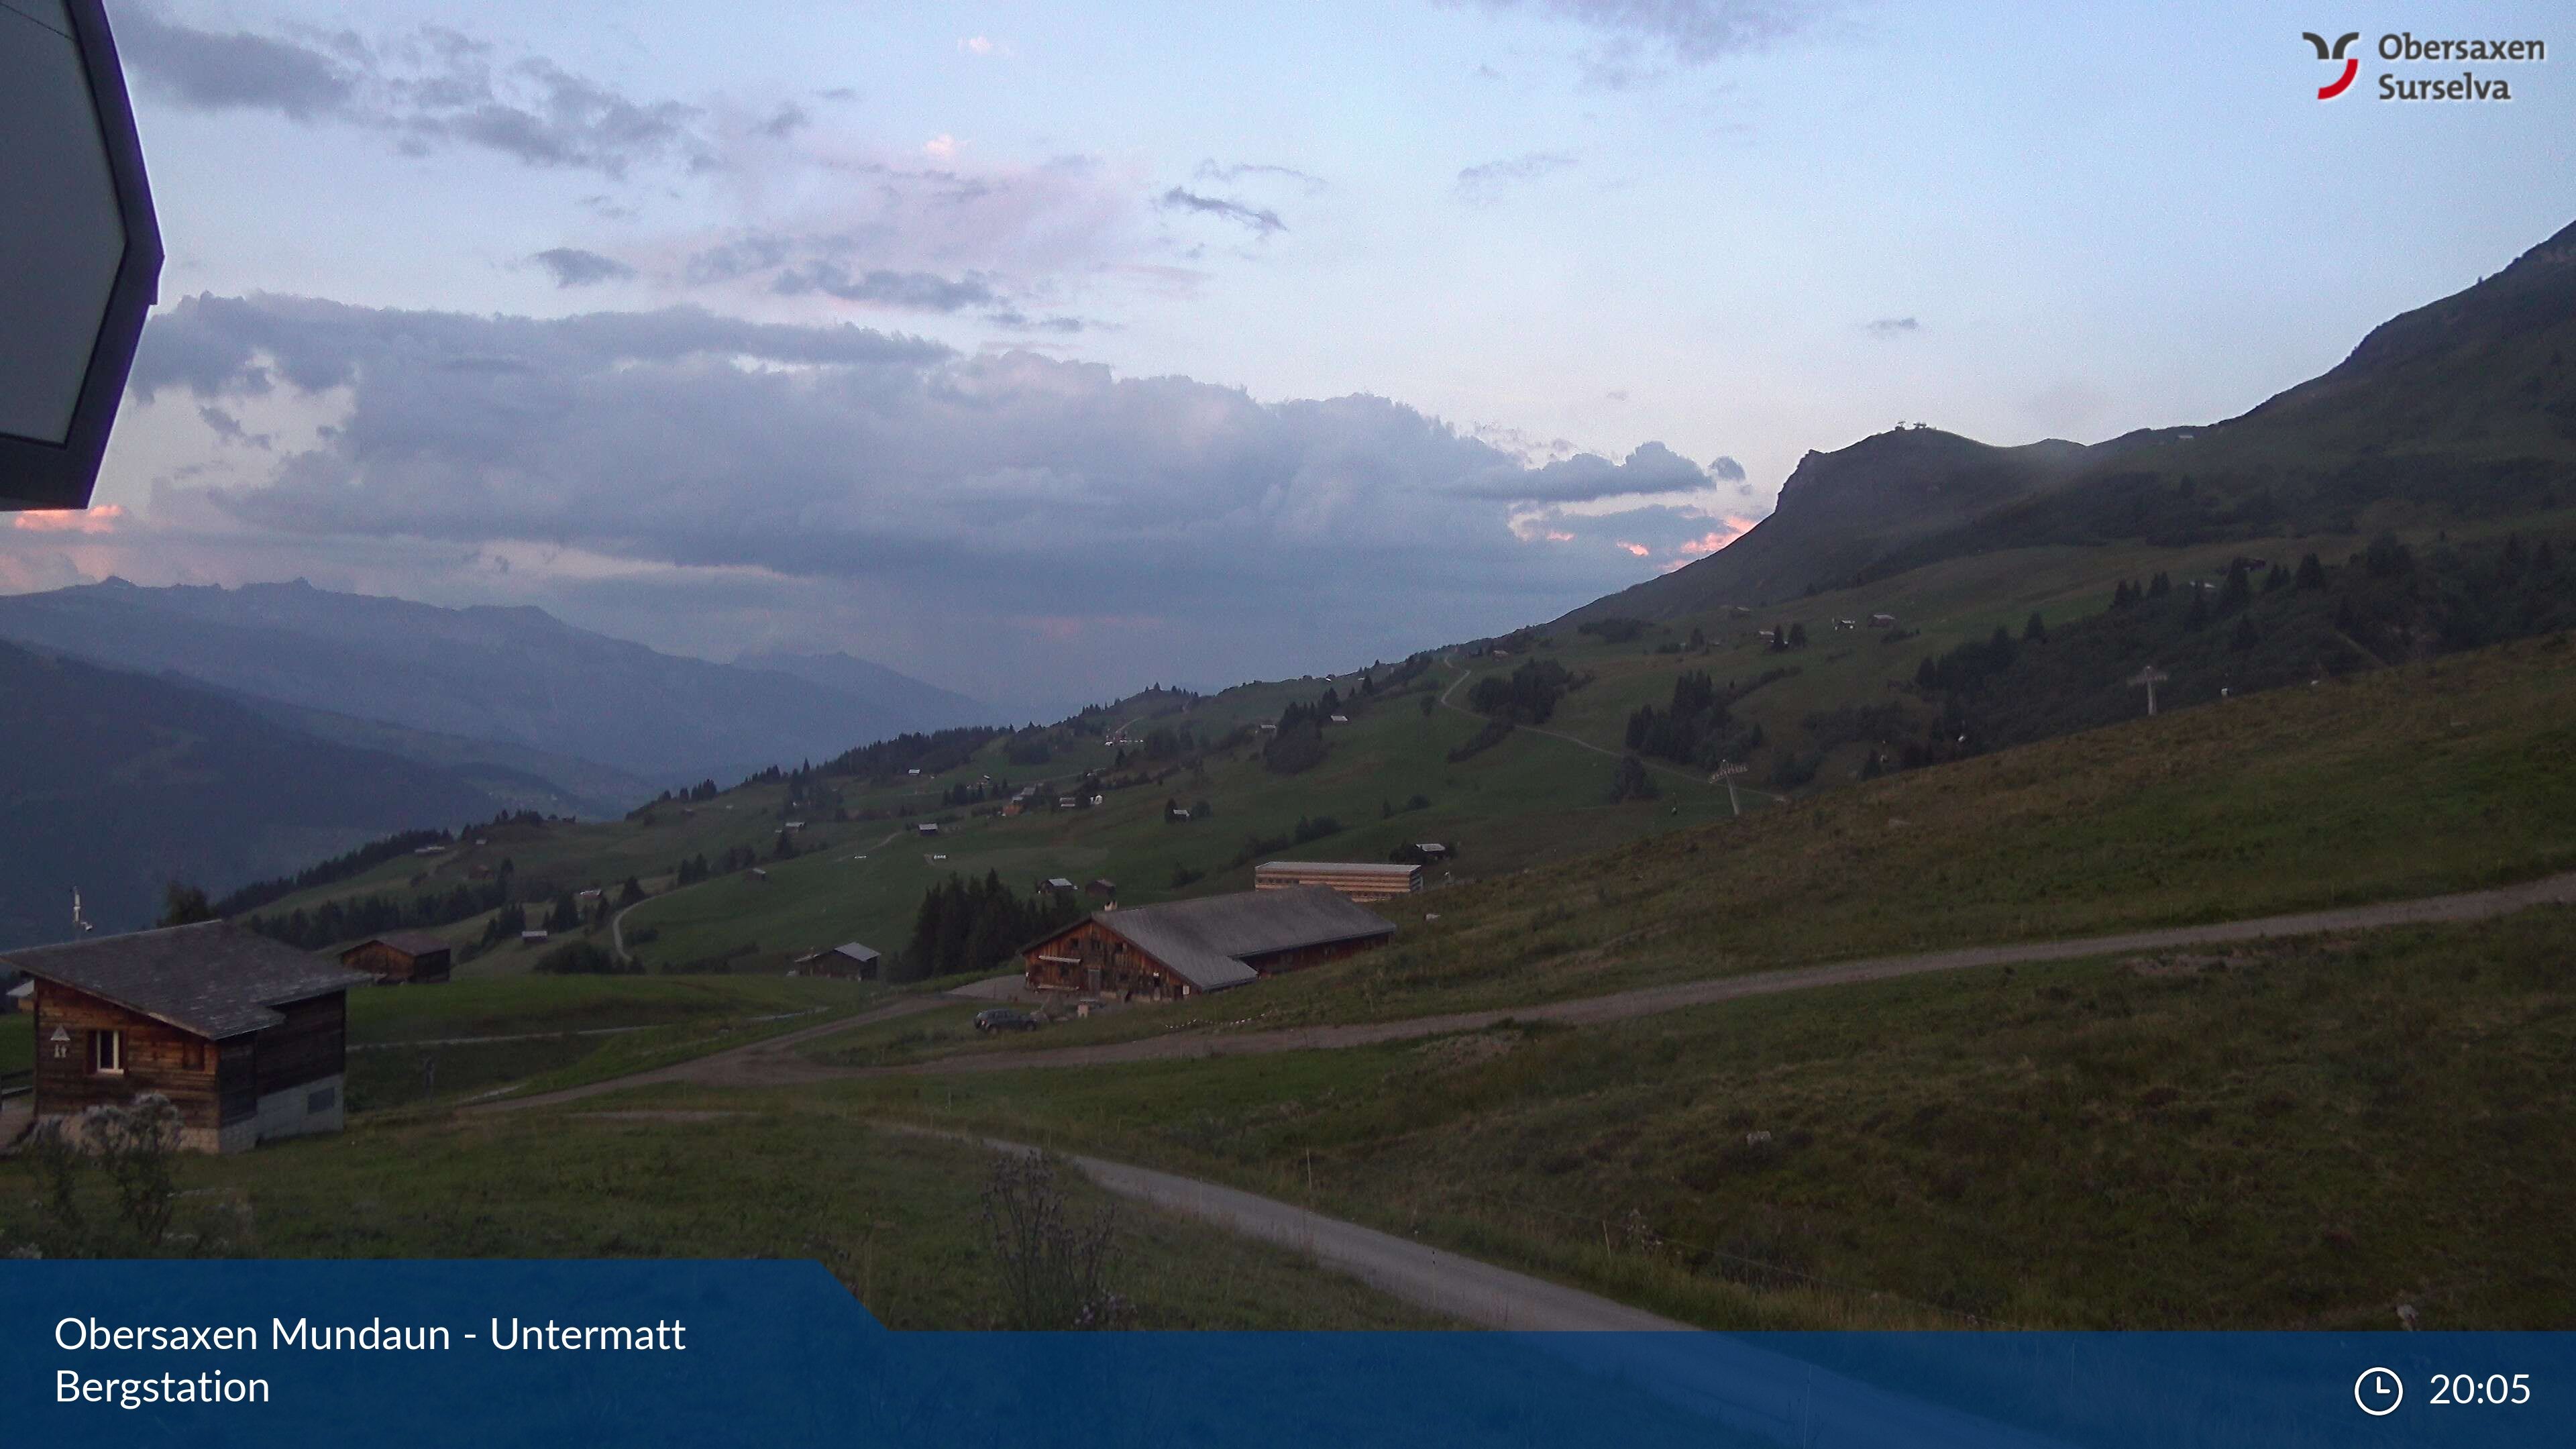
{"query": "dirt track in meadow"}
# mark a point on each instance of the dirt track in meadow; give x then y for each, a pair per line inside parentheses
(779, 1061)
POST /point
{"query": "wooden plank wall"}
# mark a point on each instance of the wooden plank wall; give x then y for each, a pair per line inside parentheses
(156, 1059)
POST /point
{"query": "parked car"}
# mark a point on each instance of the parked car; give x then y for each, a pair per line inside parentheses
(1003, 1018)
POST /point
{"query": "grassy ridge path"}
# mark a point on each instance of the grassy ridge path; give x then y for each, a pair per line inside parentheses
(777, 1062)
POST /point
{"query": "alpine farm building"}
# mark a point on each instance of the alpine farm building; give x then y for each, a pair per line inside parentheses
(402, 957)
(245, 1036)
(1187, 948)
(1360, 880)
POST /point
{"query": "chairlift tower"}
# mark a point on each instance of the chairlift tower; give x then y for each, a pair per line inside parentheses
(1727, 772)
(2150, 676)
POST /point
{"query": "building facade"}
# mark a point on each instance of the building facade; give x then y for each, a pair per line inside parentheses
(245, 1036)
(1358, 879)
(414, 958)
(1181, 949)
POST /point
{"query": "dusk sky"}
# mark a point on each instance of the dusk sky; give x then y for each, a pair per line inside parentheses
(1044, 353)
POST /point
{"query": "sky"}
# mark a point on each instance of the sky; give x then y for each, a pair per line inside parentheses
(1048, 352)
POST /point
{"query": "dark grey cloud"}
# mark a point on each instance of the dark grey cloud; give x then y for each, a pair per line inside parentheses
(1890, 328)
(230, 347)
(573, 267)
(1692, 32)
(1261, 220)
(215, 70)
(918, 291)
(427, 89)
(1726, 470)
(1254, 171)
(1586, 477)
(226, 426)
(1492, 179)
(1023, 322)
(943, 489)
(789, 119)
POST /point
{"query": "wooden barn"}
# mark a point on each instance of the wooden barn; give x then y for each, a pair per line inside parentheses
(401, 957)
(1188, 948)
(847, 961)
(245, 1036)
(1360, 880)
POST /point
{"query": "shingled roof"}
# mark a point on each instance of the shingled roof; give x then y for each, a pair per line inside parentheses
(1205, 939)
(410, 943)
(213, 979)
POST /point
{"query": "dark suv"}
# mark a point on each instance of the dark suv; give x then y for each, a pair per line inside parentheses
(1003, 1018)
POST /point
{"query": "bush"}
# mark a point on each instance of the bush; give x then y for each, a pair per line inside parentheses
(1629, 781)
(131, 1152)
(1054, 1270)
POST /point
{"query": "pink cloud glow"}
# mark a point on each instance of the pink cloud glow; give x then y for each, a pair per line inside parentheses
(1639, 549)
(96, 520)
(1733, 528)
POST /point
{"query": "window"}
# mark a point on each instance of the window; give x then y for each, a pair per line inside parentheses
(107, 1053)
(192, 1056)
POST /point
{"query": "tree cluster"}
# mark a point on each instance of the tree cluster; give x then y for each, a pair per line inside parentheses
(976, 925)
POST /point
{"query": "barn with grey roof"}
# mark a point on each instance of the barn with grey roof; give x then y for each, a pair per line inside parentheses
(1189, 948)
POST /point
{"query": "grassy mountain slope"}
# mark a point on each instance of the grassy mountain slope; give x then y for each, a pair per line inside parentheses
(1841, 511)
(2463, 410)
(516, 676)
(116, 783)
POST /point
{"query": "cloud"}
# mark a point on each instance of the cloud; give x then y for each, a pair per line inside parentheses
(1254, 171)
(917, 291)
(1023, 322)
(216, 348)
(427, 88)
(211, 70)
(962, 495)
(1023, 232)
(98, 520)
(1491, 180)
(786, 121)
(1588, 477)
(228, 428)
(1261, 220)
(1692, 32)
(1726, 470)
(1888, 329)
(977, 45)
(573, 267)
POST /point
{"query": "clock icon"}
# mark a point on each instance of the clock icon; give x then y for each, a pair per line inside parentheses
(2378, 1391)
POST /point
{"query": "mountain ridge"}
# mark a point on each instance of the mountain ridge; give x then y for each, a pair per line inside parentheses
(513, 675)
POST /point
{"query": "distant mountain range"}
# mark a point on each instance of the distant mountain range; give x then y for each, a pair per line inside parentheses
(516, 690)
(2461, 409)
(117, 783)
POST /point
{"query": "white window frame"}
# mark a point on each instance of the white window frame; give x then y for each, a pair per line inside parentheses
(107, 1053)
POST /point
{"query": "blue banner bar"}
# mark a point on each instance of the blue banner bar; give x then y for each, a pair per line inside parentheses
(651, 1353)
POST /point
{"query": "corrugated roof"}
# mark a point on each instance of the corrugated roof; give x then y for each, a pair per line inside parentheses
(854, 951)
(1337, 867)
(410, 943)
(1205, 939)
(213, 978)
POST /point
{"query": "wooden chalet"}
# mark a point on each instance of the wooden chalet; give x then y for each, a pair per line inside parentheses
(1188, 948)
(401, 957)
(1358, 879)
(245, 1036)
(848, 961)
